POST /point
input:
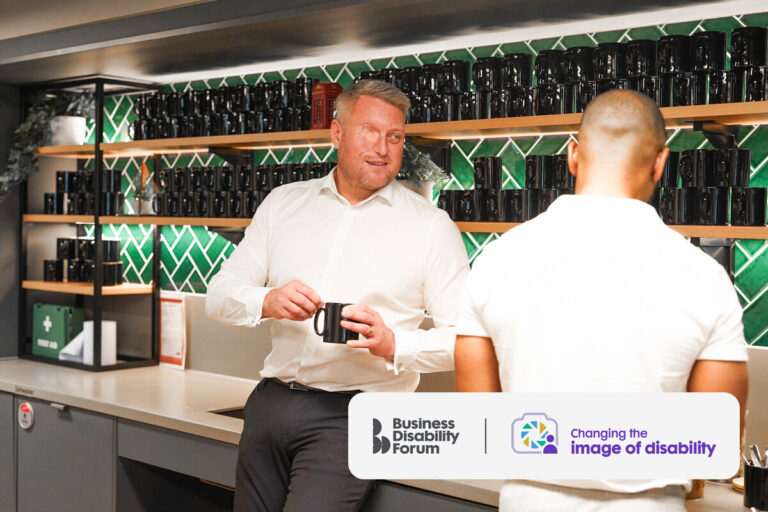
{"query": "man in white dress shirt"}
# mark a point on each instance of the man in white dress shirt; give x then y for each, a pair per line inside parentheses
(355, 236)
(597, 294)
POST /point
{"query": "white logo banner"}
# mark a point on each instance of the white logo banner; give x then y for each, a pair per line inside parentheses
(543, 435)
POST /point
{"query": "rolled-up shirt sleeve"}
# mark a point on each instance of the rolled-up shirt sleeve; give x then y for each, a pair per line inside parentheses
(236, 294)
(445, 269)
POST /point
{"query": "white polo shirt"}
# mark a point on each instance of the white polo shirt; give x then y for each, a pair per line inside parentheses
(597, 294)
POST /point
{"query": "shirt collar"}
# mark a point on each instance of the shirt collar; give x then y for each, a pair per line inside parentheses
(386, 193)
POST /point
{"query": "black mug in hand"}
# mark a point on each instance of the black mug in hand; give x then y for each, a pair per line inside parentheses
(332, 331)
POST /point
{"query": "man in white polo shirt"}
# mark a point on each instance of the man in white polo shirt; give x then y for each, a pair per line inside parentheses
(597, 294)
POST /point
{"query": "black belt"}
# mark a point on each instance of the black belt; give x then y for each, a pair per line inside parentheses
(298, 386)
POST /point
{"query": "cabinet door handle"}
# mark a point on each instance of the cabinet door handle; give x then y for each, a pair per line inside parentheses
(59, 407)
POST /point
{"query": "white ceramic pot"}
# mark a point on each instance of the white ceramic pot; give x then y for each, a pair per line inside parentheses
(423, 188)
(67, 131)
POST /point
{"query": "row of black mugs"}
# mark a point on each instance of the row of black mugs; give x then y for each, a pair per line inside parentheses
(74, 261)
(737, 206)
(82, 271)
(238, 178)
(281, 105)
(82, 203)
(497, 205)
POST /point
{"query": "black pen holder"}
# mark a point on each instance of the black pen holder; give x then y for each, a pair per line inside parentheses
(755, 487)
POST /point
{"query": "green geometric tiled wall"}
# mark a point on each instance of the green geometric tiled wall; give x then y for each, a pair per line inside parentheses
(192, 255)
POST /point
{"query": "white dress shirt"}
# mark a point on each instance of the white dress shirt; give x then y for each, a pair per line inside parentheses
(394, 252)
(597, 294)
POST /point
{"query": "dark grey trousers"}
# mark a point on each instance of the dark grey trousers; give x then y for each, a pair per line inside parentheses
(293, 453)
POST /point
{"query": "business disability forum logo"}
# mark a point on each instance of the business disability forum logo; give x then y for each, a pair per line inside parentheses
(534, 432)
(414, 436)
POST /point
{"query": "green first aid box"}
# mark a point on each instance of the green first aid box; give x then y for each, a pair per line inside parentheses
(53, 327)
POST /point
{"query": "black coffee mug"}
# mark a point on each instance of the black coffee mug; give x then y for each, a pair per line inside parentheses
(719, 86)
(546, 196)
(183, 179)
(187, 204)
(476, 105)
(446, 201)
(278, 176)
(278, 94)
(454, 77)
(160, 204)
(578, 95)
(236, 205)
(732, 167)
(487, 172)
(486, 73)
(712, 205)
(748, 47)
(674, 54)
(408, 79)
(577, 64)
(112, 203)
(749, 84)
(227, 178)
(708, 50)
(111, 250)
(301, 91)
(516, 204)
(697, 167)
(203, 204)
(609, 61)
(523, 101)
(251, 201)
(222, 204)
(65, 248)
(429, 79)
(448, 108)
(539, 171)
(548, 67)
(113, 273)
(648, 85)
(494, 208)
(671, 176)
(467, 209)
(748, 206)
(74, 271)
(87, 271)
(388, 75)
(562, 179)
(610, 85)
(298, 172)
(53, 204)
(172, 205)
(86, 181)
(550, 99)
(166, 179)
(516, 70)
(332, 331)
(501, 103)
(67, 182)
(53, 270)
(641, 58)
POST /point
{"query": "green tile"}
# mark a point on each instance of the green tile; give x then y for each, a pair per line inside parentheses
(756, 20)
(683, 29)
(462, 170)
(485, 51)
(459, 54)
(234, 80)
(514, 163)
(334, 71)
(356, 67)
(429, 58)
(580, 40)
(291, 74)
(610, 36)
(756, 318)
(722, 24)
(652, 32)
(685, 140)
(272, 76)
(405, 61)
(544, 44)
(518, 47)
(253, 78)
(549, 145)
(378, 64)
(754, 277)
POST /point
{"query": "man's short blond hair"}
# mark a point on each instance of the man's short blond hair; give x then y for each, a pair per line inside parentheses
(375, 88)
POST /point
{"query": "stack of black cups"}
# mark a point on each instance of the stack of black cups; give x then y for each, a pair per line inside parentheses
(641, 67)
(748, 59)
(75, 194)
(226, 191)
(282, 105)
(76, 255)
(546, 178)
(710, 187)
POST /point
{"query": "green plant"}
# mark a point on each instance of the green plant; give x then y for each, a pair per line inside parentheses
(418, 167)
(33, 133)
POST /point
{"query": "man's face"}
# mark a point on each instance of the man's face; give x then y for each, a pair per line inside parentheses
(370, 143)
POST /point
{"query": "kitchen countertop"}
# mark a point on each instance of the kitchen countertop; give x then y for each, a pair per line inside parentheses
(183, 401)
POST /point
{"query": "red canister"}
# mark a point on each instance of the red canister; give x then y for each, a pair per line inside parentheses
(323, 99)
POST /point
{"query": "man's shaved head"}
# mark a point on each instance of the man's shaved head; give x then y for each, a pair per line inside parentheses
(625, 123)
(621, 146)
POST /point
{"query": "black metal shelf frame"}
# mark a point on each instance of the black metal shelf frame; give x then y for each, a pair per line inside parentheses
(98, 85)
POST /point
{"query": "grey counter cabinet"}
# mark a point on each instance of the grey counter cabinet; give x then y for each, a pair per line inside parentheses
(66, 461)
(7, 455)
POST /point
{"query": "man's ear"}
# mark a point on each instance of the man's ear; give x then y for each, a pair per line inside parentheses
(573, 155)
(658, 165)
(335, 133)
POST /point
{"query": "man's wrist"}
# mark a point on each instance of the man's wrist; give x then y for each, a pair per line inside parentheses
(266, 305)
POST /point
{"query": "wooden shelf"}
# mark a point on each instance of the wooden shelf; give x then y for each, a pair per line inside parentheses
(740, 232)
(676, 117)
(87, 288)
(57, 219)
